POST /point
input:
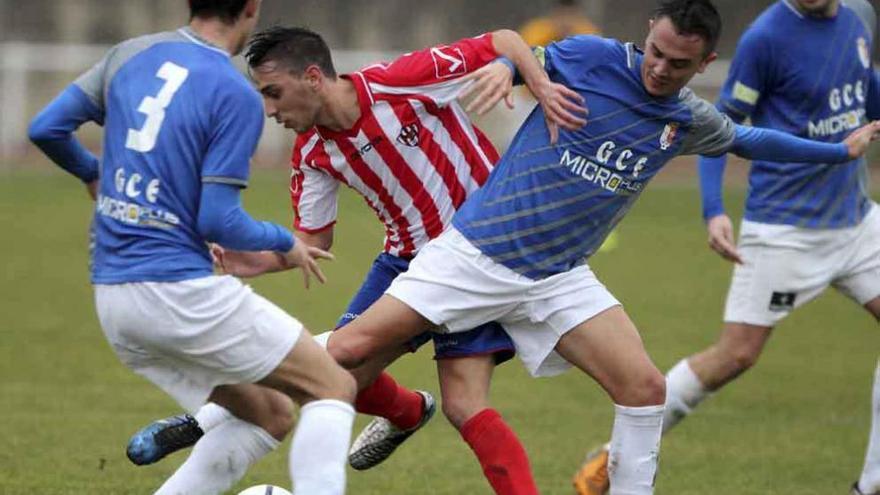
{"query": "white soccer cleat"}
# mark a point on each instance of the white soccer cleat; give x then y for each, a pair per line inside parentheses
(855, 490)
(379, 439)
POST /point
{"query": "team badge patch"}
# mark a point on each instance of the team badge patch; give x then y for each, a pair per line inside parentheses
(668, 136)
(448, 62)
(409, 135)
(782, 301)
(864, 52)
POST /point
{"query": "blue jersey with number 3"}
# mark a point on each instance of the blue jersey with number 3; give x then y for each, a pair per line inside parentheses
(177, 114)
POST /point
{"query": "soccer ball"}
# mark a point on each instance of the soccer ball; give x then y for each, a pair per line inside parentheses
(265, 490)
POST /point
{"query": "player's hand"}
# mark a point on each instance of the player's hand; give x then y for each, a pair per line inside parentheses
(562, 106)
(721, 240)
(861, 138)
(487, 87)
(306, 257)
(92, 189)
(245, 264)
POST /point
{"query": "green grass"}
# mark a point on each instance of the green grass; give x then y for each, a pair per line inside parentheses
(795, 424)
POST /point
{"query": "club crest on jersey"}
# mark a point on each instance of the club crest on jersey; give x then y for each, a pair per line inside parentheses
(864, 52)
(409, 135)
(448, 62)
(668, 136)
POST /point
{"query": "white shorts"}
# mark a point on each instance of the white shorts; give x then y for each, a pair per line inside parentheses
(191, 336)
(456, 287)
(787, 266)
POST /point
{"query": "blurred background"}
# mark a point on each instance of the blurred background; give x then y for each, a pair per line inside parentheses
(44, 44)
(796, 424)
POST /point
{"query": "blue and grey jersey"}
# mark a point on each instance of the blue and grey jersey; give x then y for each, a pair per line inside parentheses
(811, 77)
(546, 208)
(177, 114)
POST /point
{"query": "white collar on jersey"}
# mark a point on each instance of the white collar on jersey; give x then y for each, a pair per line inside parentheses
(191, 35)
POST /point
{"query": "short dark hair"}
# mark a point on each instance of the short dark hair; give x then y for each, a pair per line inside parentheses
(226, 10)
(295, 48)
(696, 17)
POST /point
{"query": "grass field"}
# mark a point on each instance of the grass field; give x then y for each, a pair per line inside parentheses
(795, 424)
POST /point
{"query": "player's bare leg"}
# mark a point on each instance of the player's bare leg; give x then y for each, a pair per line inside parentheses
(387, 324)
(307, 376)
(869, 481)
(367, 345)
(609, 348)
(464, 387)
(688, 383)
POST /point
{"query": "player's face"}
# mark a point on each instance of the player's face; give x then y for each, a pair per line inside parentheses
(671, 59)
(293, 101)
(818, 7)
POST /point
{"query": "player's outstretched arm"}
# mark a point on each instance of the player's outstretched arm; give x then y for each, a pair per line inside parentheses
(766, 144)
(52, 130)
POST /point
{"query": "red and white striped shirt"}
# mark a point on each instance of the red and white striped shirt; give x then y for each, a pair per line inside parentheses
(414, 154)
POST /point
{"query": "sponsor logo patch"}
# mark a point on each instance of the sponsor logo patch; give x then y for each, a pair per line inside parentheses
(448, 62)
(782, 301)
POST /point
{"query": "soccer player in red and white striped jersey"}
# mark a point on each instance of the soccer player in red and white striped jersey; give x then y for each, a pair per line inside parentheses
(397, 134)
(413, 154)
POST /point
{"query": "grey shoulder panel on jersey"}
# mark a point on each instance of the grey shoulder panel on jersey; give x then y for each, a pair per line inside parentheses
(866, 13)
(94, 82)
(711, 132)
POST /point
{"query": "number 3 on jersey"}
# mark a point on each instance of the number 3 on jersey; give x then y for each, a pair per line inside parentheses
(144, 140)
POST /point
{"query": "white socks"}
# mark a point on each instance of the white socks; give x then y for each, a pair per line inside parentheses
(319, 452)
(683, 392)
(219, 459)
(869, 482)
(210, 415)
(635, 446)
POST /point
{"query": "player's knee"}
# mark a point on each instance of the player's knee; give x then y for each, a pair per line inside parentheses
(346, 353)
(646, 389)
(458, 410)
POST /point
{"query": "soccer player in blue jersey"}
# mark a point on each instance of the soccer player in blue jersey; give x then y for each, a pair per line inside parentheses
(517, 252)
(181, 124)
(803, 67)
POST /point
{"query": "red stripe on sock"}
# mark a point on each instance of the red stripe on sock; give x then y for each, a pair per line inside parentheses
(386, 398)
(503, 458)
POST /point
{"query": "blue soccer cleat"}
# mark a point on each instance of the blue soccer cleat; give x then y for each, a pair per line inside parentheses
(163, 437)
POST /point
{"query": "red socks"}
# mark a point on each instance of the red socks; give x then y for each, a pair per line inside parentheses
(502, 457)
(387, 399)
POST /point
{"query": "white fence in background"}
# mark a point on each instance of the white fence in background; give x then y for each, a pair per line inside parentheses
(32, 73)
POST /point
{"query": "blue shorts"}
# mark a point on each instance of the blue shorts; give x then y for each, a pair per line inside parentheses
(485, 339)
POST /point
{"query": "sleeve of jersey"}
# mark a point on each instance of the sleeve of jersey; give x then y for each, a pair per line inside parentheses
(434, 72)
(747, 78)
(223, 220)
(237, 126)
(52, 131)
(767, 144)
(711, 170)
(313, 196)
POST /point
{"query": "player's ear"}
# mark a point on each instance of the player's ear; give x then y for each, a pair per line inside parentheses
(708, 59)
(252, 8)
(314, 76)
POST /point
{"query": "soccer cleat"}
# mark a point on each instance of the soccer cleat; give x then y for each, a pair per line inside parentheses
(855, 490)
(592, 477)
(163, 437)
(379, 439)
